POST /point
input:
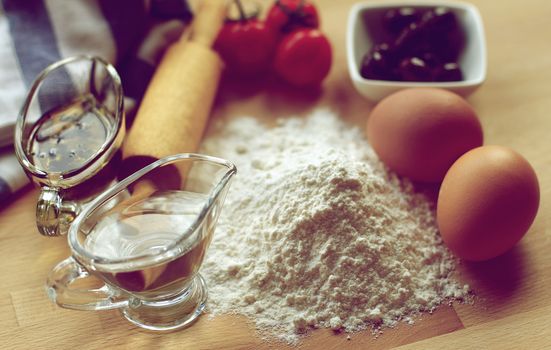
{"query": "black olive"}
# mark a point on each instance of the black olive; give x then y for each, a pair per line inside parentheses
(414, 69)
(449, 72)
(397, 19)
(378, 63)
(431, 60)
(411, 41)
(446, 37)
(440, 21)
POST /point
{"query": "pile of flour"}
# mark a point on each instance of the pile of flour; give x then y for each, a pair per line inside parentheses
(316, 233)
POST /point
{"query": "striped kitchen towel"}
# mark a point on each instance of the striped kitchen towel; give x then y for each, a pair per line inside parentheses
(131, 34)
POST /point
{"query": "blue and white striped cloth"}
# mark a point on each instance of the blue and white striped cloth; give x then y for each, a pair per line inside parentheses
(131, 34)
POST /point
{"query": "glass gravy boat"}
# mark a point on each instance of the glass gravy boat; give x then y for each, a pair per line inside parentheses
(68, 137)
(144, 240)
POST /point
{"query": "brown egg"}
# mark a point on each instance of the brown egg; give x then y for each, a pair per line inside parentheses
(488, 200)
(419, 133)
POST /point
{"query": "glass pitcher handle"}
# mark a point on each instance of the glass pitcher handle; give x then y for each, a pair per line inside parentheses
(53, 215)
(58, 287)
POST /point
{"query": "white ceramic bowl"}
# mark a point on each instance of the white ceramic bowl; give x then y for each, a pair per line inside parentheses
(359, 41)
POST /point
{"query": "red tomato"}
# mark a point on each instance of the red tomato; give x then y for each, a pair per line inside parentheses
(247, 46)
(288, 15)
(303, 57)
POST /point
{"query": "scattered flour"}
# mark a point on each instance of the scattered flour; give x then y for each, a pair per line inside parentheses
(316, 233)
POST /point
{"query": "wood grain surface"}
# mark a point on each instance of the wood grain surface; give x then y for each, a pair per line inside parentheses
(512, 309)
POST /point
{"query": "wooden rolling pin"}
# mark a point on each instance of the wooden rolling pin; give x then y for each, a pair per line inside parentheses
(174, 111)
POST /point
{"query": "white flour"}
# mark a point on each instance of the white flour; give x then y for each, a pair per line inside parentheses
(316, 233)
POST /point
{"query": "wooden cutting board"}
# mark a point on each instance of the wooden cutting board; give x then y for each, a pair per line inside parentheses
(512, 309)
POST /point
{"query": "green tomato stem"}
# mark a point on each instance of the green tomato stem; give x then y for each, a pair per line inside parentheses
(241, 10)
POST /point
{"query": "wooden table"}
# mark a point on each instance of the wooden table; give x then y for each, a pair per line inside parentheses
(513, 305)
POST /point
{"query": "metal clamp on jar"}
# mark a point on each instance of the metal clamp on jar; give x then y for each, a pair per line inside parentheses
(68, 137)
